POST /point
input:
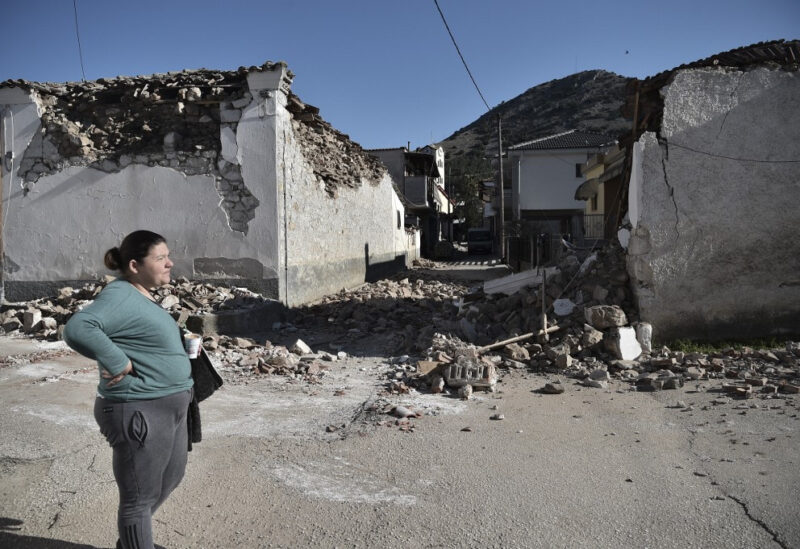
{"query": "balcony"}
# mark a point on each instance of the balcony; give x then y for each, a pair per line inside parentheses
(593, 226)
(416, 189)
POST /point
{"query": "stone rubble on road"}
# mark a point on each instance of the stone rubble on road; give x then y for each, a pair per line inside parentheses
(444, 334)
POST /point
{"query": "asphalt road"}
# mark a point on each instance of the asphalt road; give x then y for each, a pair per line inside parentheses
(588, 468)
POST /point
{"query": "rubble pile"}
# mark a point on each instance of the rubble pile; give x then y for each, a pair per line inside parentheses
(334, 157)
(463, 337)
(600, 280)
(184, 297)
(239, 357)
(450, 365)
(407, 309)
(243, 358)
(45, 317)
(592, 336)
(179, 120)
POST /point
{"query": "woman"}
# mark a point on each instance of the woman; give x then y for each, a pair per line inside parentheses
(145, 382)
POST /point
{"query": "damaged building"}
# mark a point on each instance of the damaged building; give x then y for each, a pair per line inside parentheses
(248, 184)
(714, 195)
(419, 175)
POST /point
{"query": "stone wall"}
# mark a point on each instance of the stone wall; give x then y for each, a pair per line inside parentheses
(338, 233)
(181, 154)
(248, 184)
(714, 202)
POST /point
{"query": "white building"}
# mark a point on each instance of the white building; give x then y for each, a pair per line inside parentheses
(545, 173)
(249, 185)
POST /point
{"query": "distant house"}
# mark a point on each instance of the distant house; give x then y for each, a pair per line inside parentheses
(545, 174)
(602, 192)
(419, 177)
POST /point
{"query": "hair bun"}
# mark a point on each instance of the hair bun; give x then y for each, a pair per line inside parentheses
(113, 259)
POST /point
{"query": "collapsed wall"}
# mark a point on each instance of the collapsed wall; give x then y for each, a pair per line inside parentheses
(198, 156)
(714, 197)
(344, 219)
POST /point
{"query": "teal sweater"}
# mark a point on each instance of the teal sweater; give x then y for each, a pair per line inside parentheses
(122, 325)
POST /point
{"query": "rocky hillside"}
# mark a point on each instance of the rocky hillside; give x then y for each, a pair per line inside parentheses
(588, 101)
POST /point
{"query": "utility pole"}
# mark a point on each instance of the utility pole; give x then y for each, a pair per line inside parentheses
(501, 190)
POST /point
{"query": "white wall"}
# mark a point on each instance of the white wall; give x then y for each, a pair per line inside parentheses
(333, 243)
(546, 180)
(301, 244)
(715, 204)
(60, 229)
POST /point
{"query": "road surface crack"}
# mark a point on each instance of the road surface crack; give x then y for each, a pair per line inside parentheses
(761, 523)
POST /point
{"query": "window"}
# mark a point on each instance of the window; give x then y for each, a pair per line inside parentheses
(594, 203)
(578, 170)
(398, 219)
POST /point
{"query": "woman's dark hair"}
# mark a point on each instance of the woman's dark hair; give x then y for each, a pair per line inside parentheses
(135, 246)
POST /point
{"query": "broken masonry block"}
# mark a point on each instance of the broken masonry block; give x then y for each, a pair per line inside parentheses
(31, 320)
(300, 347)
(622, 343)
(605, 316)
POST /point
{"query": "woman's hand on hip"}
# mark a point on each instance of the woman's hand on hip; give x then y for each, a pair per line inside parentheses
(114, 379)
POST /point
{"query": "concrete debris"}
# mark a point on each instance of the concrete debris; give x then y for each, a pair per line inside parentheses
(465, 392)
(421, 316)
(563, 307)
(403, 412)
(186, 121)
(644, 335)
(517, 352)
(622, 343)
(300, 347)
(596, 383)
(605, 316)
(515, 282)
(553, 388)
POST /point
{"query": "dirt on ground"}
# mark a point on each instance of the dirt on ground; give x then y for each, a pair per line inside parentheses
(352, 446)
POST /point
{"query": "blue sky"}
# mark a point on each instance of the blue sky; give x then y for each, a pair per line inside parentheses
(384, 72)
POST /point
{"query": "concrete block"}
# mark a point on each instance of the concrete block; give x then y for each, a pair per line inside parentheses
(31, 320)
(605, 316)
(622, 343)
(644, 335)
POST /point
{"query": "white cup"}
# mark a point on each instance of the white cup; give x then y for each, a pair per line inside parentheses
(192, 344)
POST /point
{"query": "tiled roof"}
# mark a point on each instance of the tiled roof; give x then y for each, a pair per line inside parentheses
(572, 139)
(782, 52)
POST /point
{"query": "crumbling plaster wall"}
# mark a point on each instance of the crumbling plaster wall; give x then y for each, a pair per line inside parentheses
(714, 202)
(338, 234)
(214, 199)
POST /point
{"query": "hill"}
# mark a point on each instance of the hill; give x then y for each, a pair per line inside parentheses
(588, 101)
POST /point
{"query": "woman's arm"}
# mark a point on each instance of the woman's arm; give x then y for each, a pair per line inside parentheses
(84, 333)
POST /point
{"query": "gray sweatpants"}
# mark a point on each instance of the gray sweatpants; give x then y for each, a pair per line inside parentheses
(150, 440)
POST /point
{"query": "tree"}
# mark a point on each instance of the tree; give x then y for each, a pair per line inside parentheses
(464, 175)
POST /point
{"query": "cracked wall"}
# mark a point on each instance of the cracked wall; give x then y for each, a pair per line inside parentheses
(248, 184)
(188, 154)
(713, 201)
(340, 210)
(185, 121)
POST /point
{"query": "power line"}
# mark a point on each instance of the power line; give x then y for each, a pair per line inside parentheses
(715, 155)
(78, 35)
(459, 54)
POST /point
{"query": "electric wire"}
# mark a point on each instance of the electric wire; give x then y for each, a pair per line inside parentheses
(461, 56)
(715, 155)
(78, 35)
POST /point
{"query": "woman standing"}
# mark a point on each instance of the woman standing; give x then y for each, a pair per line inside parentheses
(145, 382)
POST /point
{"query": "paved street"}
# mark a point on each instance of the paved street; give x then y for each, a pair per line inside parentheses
(588, 468)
